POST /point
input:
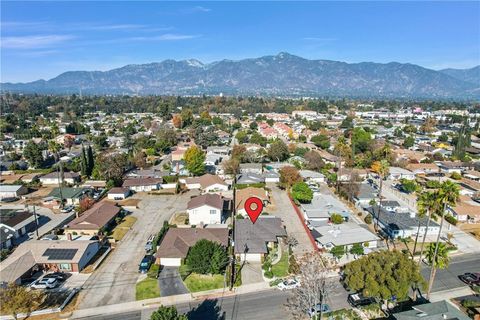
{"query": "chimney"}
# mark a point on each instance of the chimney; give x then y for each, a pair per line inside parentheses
(69, 236)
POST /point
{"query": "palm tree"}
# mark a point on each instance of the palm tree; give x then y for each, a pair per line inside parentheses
(437, 257)
(446, 195)
(54, 147)
(426, 204)
(382, 168)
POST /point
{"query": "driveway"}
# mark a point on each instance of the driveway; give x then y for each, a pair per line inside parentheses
(170, 282)
(252, 273)
(285, 211)
(114, 281)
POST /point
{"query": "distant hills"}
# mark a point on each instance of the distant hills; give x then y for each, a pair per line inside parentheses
(278, 75)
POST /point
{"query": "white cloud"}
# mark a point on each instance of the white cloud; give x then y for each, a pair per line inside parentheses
(31, 42)
(165, 37)
(201, 9)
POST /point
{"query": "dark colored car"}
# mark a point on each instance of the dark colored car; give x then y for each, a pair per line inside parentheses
(470, 278)
(357, 300)
(145, 263)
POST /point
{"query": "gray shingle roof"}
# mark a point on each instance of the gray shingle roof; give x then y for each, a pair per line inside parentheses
(253, 237)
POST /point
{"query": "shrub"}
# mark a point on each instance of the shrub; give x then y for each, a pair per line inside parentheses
(456, 176)
(266, 265)
(268, 274)
(239, 216)
(207, 257)
(451, 220)
(368, 219)
(302, 193)
(336, 218)
(467, 303)
(293, 266)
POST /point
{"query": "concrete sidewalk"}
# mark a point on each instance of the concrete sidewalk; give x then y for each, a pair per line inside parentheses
(171, 300)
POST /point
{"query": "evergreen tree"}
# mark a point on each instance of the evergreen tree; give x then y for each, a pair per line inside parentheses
(90, 161)
(84, 164)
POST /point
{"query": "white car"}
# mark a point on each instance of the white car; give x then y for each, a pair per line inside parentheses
(288, 284)
(47, 283)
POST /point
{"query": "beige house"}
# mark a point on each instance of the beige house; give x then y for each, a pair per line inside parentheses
(92, 221)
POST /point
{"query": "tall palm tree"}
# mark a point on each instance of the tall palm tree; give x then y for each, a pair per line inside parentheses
(437, 257)
(426, 205)
(446, 195)
(382, 168)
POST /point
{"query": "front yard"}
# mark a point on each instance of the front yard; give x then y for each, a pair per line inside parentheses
(148, 288)
(280, 269)
(199, 282)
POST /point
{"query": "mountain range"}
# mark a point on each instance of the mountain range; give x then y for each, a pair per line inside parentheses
(277, 75)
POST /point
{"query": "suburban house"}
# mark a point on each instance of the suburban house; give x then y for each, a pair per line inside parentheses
(243, 194)
(207, 183)
(12, 191)
(253, 240)
(346, 235)
(70, 196)
(177, 241)
(16, 224)
(321, 208)
(397, 173)
(452, 166)
(271, 176)
(364, 194)
(118, 193)
(256, 168)
(309, 175)
(348, 174)
(142, 184)
(466, 210)
(423, 168)
(56, 255)
(208, 209)
(250, 178)
(94, 220)
(54, 178)
(401, 224)
(432, 310)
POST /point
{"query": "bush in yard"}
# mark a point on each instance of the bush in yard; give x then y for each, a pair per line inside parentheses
(336, 218)
(268, 274)
(368, 219)
(302, 193)
(167, 313)
(338, 251)
(266, 265)
(357, 249)
(207, 257)
(451, 220)
(456, 176)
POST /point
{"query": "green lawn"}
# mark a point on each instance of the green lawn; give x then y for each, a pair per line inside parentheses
(280, 269)
(199, 282)
(147, 289)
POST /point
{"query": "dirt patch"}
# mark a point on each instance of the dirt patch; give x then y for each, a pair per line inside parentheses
(179, 218)
(471, 228)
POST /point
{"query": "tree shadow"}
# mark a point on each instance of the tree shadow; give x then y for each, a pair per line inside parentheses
(207, 310)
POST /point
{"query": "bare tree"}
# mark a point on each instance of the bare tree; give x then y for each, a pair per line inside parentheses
(314, 286)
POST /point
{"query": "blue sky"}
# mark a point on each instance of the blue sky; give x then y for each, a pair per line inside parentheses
(43, 39)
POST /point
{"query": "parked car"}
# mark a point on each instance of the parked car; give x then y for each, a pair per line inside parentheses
(145, 263)
(67, 209)
(357, 300)
(472, 279)
(44, 283)
(149, 244)
(325, 308)
(288, 284)
(59, 276)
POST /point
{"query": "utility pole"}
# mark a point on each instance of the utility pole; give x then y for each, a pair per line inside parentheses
(36, 220)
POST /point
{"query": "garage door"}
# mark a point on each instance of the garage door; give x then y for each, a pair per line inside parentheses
(170, 262)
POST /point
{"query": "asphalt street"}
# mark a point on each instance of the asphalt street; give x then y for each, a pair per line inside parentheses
(447, 279)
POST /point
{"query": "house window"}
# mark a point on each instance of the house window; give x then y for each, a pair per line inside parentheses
(213, 211)
(65, 266)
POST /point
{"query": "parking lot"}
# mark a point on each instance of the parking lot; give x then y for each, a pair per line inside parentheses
(114, 281)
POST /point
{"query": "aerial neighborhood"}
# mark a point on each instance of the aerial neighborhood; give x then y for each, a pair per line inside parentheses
(155, 201)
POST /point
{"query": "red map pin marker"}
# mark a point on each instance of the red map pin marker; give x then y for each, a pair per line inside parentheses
(254, 212)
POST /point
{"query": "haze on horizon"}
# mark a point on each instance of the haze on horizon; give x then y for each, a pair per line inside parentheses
(40, 40)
